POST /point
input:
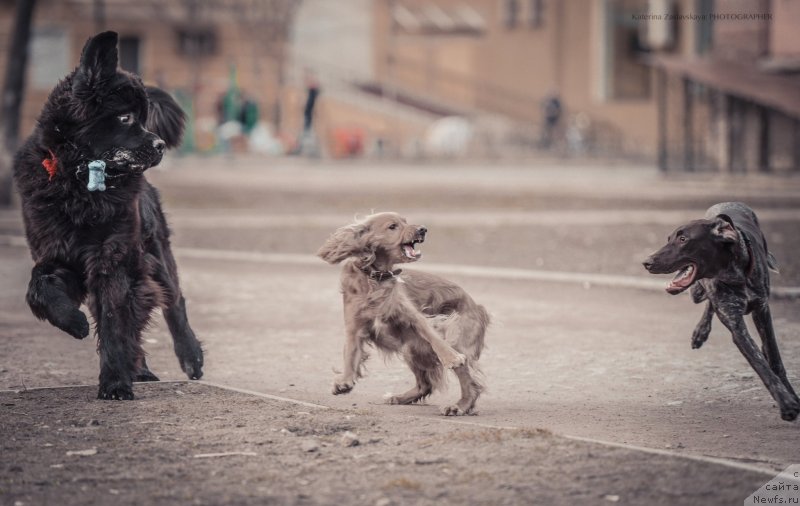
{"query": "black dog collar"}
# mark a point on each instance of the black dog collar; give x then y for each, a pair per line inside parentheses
(382, 275)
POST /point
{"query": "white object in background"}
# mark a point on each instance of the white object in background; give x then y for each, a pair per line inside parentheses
(448, 136)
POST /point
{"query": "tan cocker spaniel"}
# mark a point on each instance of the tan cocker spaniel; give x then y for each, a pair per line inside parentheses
(431, 322)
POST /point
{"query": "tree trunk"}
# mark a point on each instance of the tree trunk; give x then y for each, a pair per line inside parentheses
(13, 92)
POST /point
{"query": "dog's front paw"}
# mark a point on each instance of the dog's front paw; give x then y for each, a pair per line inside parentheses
(791, 411)
(699, 337)
(397, 400)
(456, 410)
(116, 390)
(456, 360)
(74, 323)
(191, 361)
(342, 386)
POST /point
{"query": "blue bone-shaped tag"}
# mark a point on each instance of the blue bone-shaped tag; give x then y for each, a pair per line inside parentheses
(97, 176)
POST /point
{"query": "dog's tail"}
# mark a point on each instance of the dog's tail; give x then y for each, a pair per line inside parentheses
(484, 319)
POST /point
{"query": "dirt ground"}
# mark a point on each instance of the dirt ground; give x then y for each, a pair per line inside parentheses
(182, 443)
(573, 359)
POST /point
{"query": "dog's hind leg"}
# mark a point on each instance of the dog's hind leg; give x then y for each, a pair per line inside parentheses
(165, 271)
(55, 294)
(769, 344)
(471, 389)
(422, 389)
(144, 373)
(187, 348)
(427, 372)
(703, 328)
(788, 403)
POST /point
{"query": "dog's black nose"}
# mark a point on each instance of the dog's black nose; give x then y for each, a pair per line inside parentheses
(648, 263)
(159, 145)
(422, 231)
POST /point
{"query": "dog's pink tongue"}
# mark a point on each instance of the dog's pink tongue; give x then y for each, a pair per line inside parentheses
(673, 288)
(409, 250)
(683, 279)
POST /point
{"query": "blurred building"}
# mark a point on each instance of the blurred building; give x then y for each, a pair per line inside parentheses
(730, 99)
(506, 56)
(696, 84)
(200, 50)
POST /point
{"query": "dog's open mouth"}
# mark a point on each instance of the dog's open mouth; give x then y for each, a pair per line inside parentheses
(410, 251)
(132, 160)
(683, 279)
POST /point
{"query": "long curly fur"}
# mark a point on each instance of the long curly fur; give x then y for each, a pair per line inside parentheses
(109, 248)
(432, 323)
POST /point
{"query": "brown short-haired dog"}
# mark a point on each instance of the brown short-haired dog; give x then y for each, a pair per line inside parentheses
(431, 322)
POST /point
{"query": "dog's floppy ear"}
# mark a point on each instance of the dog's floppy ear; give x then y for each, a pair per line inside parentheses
(723, 229)
(165, 118)
(98, 65)
(349, 241)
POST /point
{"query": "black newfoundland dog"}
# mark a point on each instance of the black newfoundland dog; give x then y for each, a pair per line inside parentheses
(94, 224)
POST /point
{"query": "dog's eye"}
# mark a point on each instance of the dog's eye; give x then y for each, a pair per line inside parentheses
(126, 119)
(393, 226)
(682, 238)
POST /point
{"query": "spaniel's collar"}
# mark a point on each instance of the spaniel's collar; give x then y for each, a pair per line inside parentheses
(380, 276)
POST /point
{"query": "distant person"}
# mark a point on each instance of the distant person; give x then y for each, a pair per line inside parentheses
(308, 144)
(312, 90)
(229, 105)
(248, 115)
(229, 126)
(551, 112)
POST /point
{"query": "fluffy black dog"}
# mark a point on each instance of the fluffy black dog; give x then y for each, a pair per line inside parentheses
(108, 247)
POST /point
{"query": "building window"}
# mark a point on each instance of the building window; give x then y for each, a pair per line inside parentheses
(197, 41)
(511, 13)
(625, 73)
(705, 26)
(536, 13)
(129, 54)
(49, 57)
